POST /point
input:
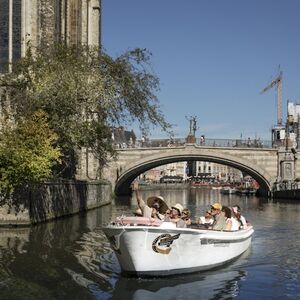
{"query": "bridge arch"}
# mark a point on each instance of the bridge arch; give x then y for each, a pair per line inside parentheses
(139, 166)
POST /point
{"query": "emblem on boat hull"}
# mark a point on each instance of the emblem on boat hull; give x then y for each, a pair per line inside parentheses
(162, 244)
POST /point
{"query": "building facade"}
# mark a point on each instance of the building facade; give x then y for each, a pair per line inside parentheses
(10, 32)
(203, 169)
(41, 23)
(220, 172)
(177, 169)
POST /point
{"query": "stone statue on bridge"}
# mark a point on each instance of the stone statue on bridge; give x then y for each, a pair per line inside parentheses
(191, 138)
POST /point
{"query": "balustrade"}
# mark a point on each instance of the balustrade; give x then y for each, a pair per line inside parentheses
(177, 142)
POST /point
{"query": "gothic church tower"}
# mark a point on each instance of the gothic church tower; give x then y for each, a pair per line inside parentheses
(44, 22)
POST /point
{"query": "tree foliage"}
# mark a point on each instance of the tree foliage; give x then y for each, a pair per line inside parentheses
(27, 152)
(85, 94)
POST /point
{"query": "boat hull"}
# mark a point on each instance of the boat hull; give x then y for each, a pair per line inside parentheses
(145, 250)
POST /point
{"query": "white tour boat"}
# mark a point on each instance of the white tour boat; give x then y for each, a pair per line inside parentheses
(146, 246)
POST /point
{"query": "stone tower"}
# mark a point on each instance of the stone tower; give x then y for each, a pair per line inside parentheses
(44, 22)
(41, 23)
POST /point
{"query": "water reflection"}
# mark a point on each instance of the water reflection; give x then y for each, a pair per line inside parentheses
(41, 262)
(217, 285)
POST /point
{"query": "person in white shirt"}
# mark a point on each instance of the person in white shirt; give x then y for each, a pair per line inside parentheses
(237, 212)
(207, 219)
(236, 224)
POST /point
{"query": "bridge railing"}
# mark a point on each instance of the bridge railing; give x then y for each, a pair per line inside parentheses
(176, 142)
(240, 143)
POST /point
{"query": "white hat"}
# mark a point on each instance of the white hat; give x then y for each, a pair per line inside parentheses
(179, 207)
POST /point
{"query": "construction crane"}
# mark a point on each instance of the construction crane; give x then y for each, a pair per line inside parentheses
(277, 81)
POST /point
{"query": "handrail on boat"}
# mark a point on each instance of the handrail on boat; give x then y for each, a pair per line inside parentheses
(144, 221)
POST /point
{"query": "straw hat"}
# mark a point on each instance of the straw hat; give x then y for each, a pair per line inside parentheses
(179, 207)
(163, 207)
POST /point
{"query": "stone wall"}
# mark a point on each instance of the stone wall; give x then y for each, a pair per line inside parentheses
(47, 20)
(44, 22)
(52, 200)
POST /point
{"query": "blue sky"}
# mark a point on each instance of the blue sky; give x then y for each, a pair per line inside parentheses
(213, 57)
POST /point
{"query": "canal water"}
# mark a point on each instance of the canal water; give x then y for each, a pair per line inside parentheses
(71, 259)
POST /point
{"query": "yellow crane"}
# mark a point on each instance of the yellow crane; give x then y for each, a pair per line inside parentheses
(277, 81)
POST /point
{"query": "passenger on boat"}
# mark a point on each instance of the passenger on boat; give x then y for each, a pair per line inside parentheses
(237, 212)
(186, 216)
(175, 216)
(219, 217)
(236, 224)
(207, 219)
(168, 212)
(153, 208)
(227, 213)
(162, 206)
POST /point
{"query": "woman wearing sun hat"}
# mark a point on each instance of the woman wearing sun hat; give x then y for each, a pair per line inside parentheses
(163, 207)
(155, 207)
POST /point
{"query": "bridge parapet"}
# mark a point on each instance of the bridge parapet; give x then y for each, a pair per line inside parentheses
(205, 142)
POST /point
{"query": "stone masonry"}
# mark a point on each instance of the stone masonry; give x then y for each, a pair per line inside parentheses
(262, 164)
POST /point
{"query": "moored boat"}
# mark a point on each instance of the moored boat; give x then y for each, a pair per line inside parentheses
(159, 248)
(246, 191)
(228, 190)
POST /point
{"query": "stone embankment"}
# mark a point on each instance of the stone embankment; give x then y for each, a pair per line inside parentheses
(54, 199)
(165, 186)
(289, 190)
(287, 194)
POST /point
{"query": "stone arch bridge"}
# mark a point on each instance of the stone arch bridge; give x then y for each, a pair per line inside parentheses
(263, 164)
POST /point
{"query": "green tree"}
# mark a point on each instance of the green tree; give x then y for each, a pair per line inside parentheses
(27, 152)
(85, 94)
